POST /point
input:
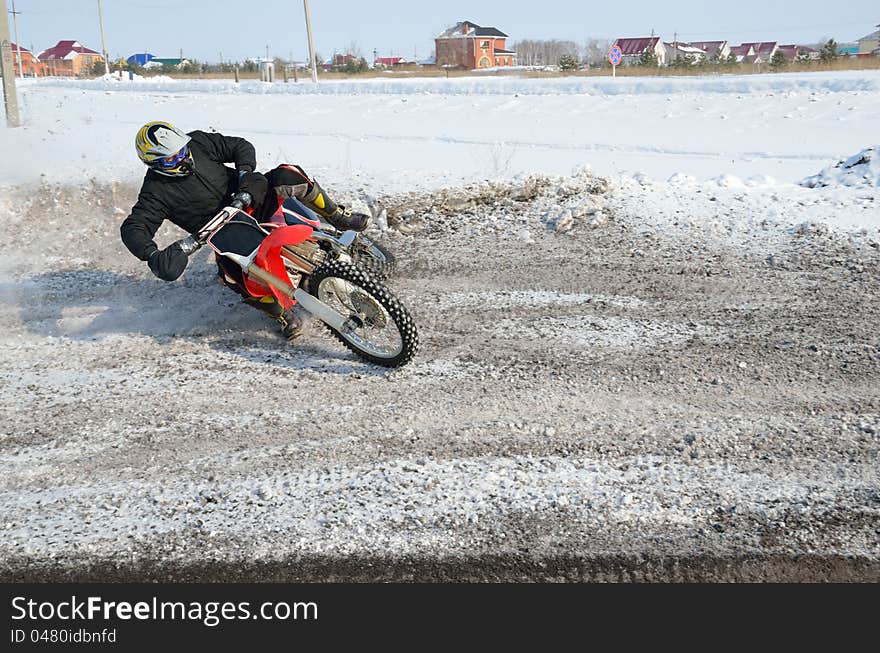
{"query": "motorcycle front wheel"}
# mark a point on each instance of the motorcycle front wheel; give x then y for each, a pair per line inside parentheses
(379, 329)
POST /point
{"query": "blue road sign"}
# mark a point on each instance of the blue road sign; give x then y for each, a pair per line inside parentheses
(615, 56)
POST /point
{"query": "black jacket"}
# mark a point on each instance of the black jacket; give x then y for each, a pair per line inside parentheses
(189, 202)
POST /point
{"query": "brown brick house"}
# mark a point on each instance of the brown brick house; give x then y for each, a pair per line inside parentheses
(70, 59)
(468, 45)
(30, 65)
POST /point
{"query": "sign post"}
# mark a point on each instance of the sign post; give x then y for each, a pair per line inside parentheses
(615, 56)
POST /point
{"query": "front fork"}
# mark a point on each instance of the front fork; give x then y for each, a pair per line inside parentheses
(309, 302)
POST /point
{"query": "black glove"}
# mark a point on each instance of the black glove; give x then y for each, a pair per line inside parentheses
(255, 184)
(168, 264)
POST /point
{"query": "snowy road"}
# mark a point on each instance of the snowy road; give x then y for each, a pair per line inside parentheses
(622, 380)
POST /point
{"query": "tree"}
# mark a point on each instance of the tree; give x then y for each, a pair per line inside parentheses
(685, 61)
(778, 60)
(648, 58)
(828, 53)
(543, 53)
(353, 66)
(568, 62)
(595, 52)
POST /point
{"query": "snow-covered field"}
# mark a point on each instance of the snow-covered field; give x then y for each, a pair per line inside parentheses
(396, 135)
(646, 343)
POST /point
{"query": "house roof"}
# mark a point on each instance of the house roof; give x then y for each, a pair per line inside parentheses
(764, 48)
(636, 46)
(141, 58)
(743, 50)
(389, 61)
(873, 36)
(505, 52)
(173, 61)
(16, 48)
(473, 31)
(709, 47)
(66, 50)
(687, 48)
(792, 51)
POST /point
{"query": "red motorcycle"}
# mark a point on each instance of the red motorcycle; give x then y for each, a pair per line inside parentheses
(298, 261)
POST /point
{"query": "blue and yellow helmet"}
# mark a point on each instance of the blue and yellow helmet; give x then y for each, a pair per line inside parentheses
(163, 147)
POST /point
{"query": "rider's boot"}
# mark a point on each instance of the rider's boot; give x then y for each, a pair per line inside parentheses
(340, 217)
(291, 322)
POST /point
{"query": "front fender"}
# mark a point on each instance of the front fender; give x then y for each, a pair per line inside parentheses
(269, 258)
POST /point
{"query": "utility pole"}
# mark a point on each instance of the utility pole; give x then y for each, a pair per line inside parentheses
(17, 42)
(8, 71)
(103, 41)
(311, 42)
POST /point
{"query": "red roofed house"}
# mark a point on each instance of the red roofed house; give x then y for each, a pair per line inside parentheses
(743, 53)
(387, 62)
(792, 52)
(467, 45)
(715, 50)
(30, 65)
(634, 49)
(69, 59)
(763, 52)
(679, 50)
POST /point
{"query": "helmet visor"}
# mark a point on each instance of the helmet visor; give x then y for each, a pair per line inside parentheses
(169, 162)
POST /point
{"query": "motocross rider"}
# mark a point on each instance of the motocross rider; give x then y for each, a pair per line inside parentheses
(188, 183)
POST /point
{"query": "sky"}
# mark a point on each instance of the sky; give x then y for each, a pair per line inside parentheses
(205, 29)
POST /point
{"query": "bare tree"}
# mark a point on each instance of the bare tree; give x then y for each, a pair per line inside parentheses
(544, 52)
(354, 49)
(595, 51)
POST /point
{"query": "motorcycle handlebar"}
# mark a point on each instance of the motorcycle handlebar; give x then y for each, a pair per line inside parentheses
(241, 201)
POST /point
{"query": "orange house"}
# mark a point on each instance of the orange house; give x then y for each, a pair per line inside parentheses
(30, 65)
(468, 45)
(70, 59)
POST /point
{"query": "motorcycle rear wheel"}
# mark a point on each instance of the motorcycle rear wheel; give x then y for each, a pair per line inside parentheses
(382, 330)
(373, 257)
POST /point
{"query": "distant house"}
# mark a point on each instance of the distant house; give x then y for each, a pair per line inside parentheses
(69, 59)
(634, 49)
(870, 44)
(762, 52)
(468, 45)
(140, 59)
(344, 59)
(389, 62)
(794, 52)
(679, 50)
(715, 50)
(161, 62)
(31, 66)
(743, 53)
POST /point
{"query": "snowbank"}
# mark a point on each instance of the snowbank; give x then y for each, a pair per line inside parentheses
(862, 169)
(841, 82)
(126, 76)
